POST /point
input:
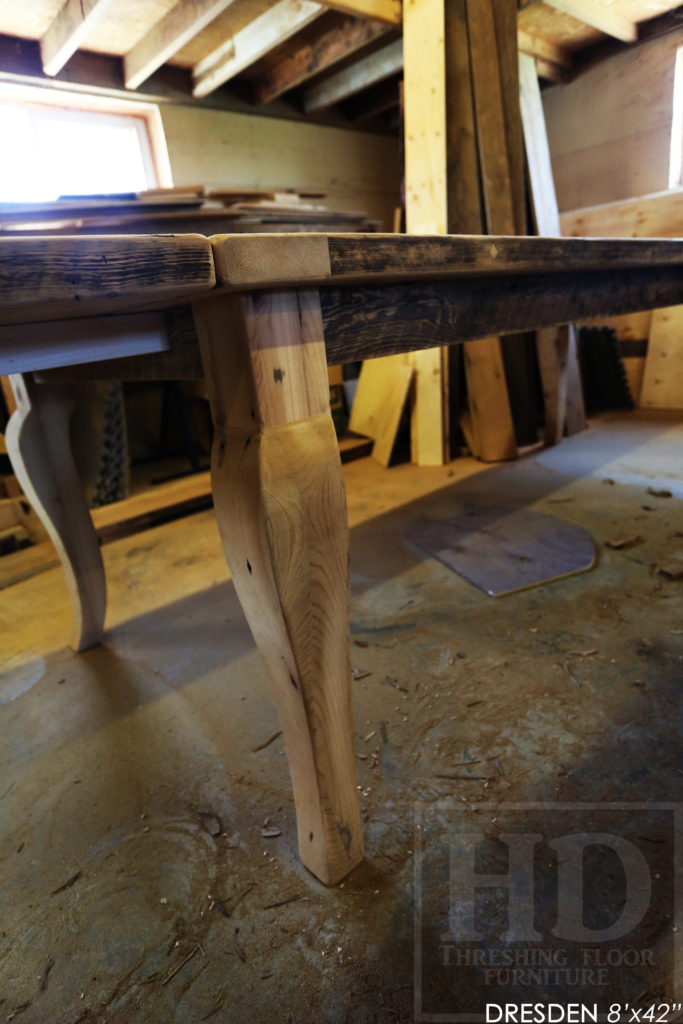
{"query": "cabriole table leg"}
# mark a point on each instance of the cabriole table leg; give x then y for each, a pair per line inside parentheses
(281, 510)
(39, 448)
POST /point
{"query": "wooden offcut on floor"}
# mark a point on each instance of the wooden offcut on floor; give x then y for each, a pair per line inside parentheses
(148, 844)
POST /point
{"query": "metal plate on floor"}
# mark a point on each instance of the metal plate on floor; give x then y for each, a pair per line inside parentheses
(501, 550)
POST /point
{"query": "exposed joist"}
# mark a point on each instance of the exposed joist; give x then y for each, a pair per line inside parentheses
(182, 23)
(598, 16)
(337, 43)
(383, 10)
(389, 60)
(368, 71)
(273, 27)
(68, 30)
(552, 72)
(543, 49)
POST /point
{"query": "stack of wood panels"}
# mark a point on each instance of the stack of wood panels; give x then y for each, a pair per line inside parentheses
(185, 209)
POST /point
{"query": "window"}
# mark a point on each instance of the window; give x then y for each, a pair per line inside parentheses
(76, 145)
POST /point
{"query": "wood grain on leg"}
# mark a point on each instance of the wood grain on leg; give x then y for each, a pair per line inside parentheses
(38, 445)
(281, 510)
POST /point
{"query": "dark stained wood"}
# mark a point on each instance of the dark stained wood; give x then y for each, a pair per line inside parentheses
(53, 278)
(307, 57)
(378, 257)
(363, 322)
(505, 25)
(462, 155)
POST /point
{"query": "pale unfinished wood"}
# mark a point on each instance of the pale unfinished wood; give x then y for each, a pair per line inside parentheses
(280, 507)
(600, 16)
(425, 145)
(68, 31)
(537, 46)
(53, 278)
(38, 444)
(271, 260)
(360, 75)
(182, 23)
(662, 386)
(658, 215)
(381, 394)
(274, 26)
(383, 10)
(401, 379)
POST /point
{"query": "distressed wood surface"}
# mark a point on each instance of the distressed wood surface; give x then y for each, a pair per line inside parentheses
(373, 258)
(53, 278)
(281, 511)
(364, 321)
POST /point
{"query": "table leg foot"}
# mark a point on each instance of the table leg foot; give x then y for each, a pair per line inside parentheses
(281, 510)
(38, 445)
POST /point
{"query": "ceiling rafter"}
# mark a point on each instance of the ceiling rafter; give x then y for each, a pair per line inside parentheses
(333, 45)
(270, 29)
(598, 16)
(383, 10)
(182, 23)
(68, 30)
(368, 71)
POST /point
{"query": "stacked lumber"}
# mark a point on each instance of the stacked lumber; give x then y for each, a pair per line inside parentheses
(182, 209)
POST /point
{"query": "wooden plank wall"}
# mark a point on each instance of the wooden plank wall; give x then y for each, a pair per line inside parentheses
(610, 129)
(359, 170)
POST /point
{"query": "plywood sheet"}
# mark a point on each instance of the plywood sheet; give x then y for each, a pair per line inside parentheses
(501, 550)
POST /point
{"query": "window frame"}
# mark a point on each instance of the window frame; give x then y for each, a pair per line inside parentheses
(145, 117)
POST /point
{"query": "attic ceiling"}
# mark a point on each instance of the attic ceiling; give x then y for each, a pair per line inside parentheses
(277, 56)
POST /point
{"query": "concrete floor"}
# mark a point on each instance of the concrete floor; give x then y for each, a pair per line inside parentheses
(111, 876)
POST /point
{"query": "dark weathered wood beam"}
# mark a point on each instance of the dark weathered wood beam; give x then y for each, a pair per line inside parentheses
(333, 45)
(366, 322)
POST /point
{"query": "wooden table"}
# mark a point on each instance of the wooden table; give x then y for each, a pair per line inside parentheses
(270, 311)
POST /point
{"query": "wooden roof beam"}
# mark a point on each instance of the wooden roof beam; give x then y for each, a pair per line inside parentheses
(598, 16)
(182, 23)
(554, 62)
(542, 49)
(310, 59)
(270, 29)
(382, 10)
(368, 71)
(68, 31)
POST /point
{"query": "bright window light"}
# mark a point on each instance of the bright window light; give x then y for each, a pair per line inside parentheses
(52, 151)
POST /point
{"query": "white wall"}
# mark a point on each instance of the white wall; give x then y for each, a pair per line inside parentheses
(358, 170)
(610, 129)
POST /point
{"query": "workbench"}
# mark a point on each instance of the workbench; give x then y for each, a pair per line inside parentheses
(268, 312)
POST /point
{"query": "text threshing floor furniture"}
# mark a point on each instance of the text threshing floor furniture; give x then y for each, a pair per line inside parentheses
(270, 311)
